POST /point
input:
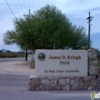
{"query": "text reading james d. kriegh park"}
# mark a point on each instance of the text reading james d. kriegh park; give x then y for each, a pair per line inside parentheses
(61, 62)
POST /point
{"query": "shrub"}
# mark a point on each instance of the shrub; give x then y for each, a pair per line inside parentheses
(10, 55)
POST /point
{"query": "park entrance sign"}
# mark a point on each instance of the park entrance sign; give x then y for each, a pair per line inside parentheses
(61, 63)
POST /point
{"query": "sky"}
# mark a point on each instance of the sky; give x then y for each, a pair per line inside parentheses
(75, 10)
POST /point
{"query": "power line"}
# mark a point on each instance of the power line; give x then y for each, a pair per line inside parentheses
(24, 4)
(29, 3)
(10, 9)
(33, 4)
(20, 5)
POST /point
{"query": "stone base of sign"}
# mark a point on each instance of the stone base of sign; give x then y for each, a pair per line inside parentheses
(90, 82)
(64, 83)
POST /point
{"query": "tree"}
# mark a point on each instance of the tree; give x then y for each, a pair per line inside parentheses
(44, 28)
(52, 26)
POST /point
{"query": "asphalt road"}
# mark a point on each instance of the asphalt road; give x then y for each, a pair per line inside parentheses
(13, 82)
(27, 95)
(15, 87)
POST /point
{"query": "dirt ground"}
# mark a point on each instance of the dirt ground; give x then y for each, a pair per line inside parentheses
(17, 67)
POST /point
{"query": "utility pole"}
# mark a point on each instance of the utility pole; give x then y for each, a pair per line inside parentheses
(26, 49)
(89, 28)
(28, 14)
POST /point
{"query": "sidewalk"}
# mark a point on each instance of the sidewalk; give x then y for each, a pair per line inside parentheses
(17, 67)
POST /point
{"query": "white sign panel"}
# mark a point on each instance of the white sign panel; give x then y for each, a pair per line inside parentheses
(61, 62)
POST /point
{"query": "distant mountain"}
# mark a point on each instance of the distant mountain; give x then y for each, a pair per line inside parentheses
(4, 50)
